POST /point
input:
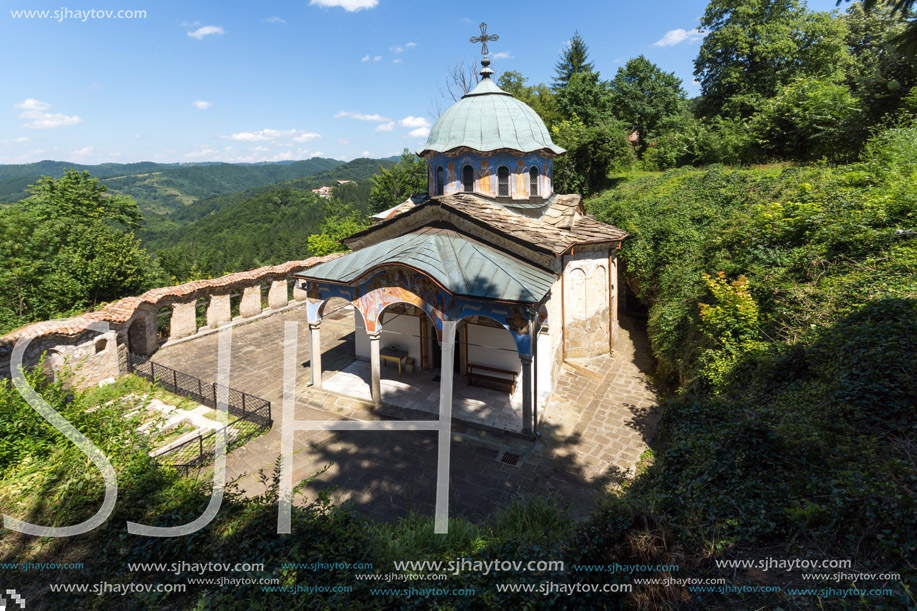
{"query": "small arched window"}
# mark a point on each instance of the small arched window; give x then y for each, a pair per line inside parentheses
(468, 179)
(533, 181)
(439, 180)
(503, 181)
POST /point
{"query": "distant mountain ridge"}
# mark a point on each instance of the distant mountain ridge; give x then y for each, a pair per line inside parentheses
(161, 188)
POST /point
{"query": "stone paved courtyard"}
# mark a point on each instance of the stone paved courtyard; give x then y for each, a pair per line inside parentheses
(593, 429)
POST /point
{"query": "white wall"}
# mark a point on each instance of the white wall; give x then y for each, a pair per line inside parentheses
(484, 348)
(544, 367)
(403, 331)
(360, 337)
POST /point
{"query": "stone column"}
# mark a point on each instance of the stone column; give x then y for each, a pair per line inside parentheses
(184, 320)
(315, 353)
(526, 393)
(141, 334)
(251, 302)
(298, 293)
(277, 294)
(444, 441)
(375, 367)
(447, 371)
(218, 311)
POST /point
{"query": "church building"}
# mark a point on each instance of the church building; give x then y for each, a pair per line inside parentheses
(491, 278)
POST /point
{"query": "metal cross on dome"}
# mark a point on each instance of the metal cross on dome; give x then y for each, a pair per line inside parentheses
(484, 38)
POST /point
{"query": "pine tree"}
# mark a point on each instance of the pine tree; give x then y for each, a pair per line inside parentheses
(572, 61)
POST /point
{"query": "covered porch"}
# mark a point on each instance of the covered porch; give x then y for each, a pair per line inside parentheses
(458, 320)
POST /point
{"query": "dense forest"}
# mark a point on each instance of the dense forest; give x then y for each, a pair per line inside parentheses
(75, 242)
(773, 243)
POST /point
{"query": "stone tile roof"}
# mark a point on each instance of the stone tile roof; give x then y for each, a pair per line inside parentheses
(122, 310)
(563, 225)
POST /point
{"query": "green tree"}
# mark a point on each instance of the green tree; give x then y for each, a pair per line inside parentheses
(755, 47)
(906, 37)
(539, 97)
(592, 152)
(586, 97)
(394, 185)
(810, 119)
(573, 60)
(882, 73)
(645, 97)
(68, 247)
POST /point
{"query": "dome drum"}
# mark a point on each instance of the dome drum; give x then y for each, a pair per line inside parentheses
(505, 176)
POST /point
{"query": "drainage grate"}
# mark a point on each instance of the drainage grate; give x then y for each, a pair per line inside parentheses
(509, 458)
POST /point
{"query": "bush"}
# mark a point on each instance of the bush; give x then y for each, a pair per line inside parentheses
(810, 119)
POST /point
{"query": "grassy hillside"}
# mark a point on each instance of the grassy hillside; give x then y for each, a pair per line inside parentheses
(784, 302)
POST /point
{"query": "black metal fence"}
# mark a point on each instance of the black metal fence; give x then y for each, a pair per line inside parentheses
(252, 414)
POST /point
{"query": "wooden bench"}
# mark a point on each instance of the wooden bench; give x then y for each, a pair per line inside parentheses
(484, 373)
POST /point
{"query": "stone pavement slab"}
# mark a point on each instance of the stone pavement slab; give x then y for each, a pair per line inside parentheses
(593, 429)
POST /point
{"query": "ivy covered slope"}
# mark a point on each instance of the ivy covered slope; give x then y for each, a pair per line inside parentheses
(783, 301)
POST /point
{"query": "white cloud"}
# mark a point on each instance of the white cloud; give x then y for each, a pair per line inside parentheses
(86, 150)
(365, 58)
(207, 30)
(275, 19)
(398, 61)
(385, 127)
(396, 49)
(306, 137)
(361, 116)
(34, 111)
(278, 137)
(17, 140)
(365, 154)
(410, 45)
(420, 132)
(502, 55)
(137, 136)
(317, 154)
(377, 58)
(343, 141)
(674, 37)
(412, 121)
(250, 137)
(351, 6)
(201, 153)
(32, 104)
(201, 104)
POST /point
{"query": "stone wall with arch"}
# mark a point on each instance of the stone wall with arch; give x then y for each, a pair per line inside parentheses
(93, 356)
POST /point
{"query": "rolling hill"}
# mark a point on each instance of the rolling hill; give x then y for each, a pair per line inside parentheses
(164, 188)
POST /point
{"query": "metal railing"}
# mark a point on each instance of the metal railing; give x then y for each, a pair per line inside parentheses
(252, 414)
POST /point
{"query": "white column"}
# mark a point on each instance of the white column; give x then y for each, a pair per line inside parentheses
(374, 365)
(446, 374)
(526, 393)
(315, 353)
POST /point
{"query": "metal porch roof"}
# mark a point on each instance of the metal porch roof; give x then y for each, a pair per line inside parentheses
(462, 265)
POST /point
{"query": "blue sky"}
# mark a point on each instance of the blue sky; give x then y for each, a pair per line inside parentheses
(272, 80)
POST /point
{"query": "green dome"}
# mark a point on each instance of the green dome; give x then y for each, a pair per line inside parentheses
(487, 119)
